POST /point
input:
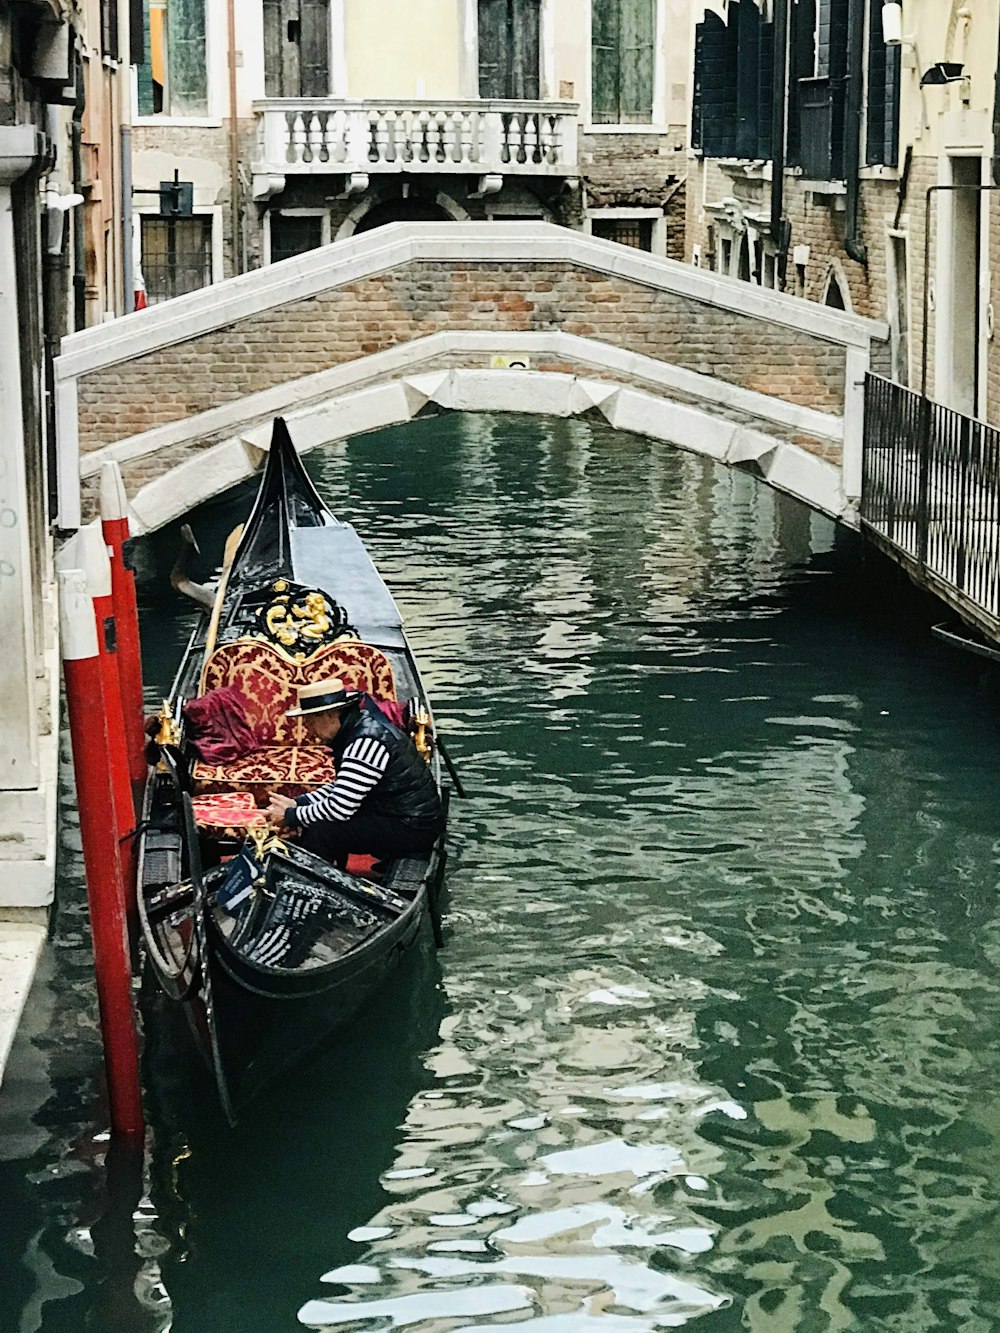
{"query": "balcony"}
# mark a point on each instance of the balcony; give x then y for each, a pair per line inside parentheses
(318, 136)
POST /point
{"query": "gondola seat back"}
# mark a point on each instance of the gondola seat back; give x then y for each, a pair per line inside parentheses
(268, 680)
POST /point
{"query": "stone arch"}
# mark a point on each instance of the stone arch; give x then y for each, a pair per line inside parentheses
(439, 209)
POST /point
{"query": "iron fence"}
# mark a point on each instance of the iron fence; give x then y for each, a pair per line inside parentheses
(931, 491)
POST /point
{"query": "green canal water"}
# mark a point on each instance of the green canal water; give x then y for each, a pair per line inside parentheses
(714, 1037)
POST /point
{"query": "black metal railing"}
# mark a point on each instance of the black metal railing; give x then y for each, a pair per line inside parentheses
(931, 490)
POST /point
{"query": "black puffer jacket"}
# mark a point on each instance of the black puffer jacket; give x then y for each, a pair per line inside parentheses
(406, 791)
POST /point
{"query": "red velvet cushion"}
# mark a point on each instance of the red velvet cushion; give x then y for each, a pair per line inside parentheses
(228, 814)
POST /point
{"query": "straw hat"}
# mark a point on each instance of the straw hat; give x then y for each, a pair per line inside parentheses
(322, 696)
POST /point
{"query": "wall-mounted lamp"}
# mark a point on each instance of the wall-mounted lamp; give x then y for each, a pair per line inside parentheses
(945, 71)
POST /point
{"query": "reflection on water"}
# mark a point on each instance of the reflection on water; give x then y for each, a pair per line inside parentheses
(713, 1040)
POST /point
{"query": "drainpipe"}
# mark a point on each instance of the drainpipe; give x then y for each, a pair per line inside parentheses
(128, 259)
(234, 145)
(779, 102)
(853, 245)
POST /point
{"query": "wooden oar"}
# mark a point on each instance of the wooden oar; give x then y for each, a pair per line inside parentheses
(228, 556)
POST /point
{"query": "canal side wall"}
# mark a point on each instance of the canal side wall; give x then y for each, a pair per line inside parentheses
(162, 387)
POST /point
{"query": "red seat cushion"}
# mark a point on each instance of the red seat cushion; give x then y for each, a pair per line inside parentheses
(227, 814)
(290, 769)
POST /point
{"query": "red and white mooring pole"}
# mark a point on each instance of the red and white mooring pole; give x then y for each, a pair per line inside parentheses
(86, 706)
(115, 529)
(86, 550)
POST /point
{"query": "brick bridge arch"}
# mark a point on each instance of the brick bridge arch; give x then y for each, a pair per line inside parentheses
(412, 317)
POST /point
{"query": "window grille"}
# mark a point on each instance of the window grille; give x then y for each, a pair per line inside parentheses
(176, 256)
(637, 232)
(294, 235)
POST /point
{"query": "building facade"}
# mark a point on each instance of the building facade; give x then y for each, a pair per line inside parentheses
(291, 123)
(62, 87)
(827, 139)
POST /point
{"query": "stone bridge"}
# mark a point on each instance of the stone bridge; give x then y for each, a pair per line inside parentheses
(422, 317)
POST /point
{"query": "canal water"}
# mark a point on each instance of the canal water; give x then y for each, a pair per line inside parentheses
(714, 1036)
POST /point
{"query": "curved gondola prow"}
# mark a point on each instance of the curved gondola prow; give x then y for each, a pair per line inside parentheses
(286, 499)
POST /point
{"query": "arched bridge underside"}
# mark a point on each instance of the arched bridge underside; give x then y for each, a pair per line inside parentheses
(420, 317)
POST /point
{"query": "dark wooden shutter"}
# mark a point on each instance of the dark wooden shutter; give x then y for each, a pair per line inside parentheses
(525, 46)
(635, 61)
(509, 46)
(492, 41)
(746, 19)
(716, 83)
(802, 65)
(314, 48)
(296, 48)
(882, 99)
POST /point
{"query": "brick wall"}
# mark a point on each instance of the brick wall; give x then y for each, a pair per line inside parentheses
(417, 299)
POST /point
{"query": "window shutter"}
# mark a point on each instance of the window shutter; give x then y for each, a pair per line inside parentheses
(717, 91)
(523, 80)
(604, 62)
(186, 73)
(492, 44)
(314, 48)
(144, 72)
(802, 65)
(274, 48)
(746, 19)
(696, 85)
(635, 59)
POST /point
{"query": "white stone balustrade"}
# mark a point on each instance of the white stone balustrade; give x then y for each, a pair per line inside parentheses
(320, 136)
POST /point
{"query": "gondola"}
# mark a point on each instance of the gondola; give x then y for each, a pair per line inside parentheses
(270, 949)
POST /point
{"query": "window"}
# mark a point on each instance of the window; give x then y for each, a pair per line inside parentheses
(109, 29)
(508, 49)
(733, 76)
(297, 48)
(294, 234)
(899, 308)
(622, 39)
(637, 232)
(173, 81)
(884, 69)
(176, 256)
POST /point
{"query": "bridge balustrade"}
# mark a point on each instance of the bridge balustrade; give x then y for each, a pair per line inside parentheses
(323, 136)
(931, 496)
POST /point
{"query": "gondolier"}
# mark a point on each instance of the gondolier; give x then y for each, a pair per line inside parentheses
(383, 801)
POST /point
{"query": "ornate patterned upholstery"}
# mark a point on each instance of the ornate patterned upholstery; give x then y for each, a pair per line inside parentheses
(291, 769)
(267, 678)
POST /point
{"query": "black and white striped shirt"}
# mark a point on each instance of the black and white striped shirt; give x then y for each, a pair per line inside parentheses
(362, 766)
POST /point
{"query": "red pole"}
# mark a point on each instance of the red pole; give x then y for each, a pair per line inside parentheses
(115, 528)
(86, 550)
(85, 706)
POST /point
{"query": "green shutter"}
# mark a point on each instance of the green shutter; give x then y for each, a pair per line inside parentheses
(144, 72)
(186, 73)
(637, 35)
(604, 26)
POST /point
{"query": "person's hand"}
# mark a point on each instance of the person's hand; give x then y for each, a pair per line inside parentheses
(277, 808)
